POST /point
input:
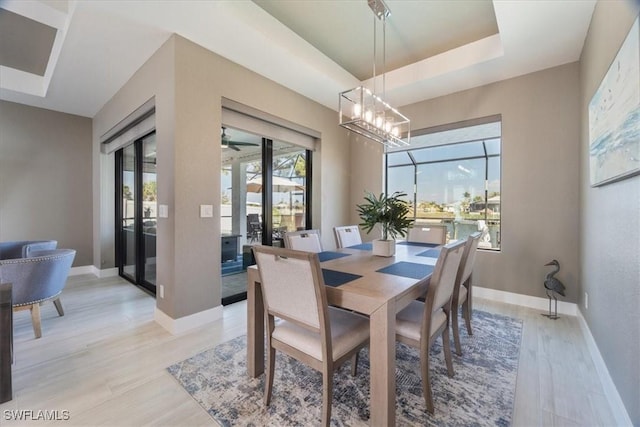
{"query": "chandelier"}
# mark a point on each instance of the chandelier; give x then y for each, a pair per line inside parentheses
(362, 111)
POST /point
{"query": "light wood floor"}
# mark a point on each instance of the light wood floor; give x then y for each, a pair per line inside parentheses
(105, 361)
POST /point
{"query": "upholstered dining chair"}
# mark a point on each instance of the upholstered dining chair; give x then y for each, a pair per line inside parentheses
(347, 235)
(303, 240)
(23, 248)
(37, 279)
(309, 330)
(419, 324)
(462, 289)
(428, 233)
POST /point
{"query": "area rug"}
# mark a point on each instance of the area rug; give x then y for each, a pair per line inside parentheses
(481, 393)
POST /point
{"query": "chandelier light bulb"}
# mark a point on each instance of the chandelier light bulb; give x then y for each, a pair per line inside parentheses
(357, 110)
(379, 122)
(395, 131)
(368, 116)
(387, 126)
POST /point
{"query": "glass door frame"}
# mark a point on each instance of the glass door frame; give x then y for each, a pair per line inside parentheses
(139, 243)
(267, 196)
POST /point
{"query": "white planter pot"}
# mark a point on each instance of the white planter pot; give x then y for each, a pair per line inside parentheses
(386, 248)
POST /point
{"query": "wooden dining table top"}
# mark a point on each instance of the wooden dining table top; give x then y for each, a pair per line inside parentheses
(374, 288)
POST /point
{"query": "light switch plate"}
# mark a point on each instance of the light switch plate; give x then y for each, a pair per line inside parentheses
(163, 211)
(206, 211)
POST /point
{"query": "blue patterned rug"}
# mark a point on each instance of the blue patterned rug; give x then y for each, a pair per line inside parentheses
(480, 394)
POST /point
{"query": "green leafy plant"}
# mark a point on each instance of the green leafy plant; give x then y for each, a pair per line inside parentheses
(388, 211)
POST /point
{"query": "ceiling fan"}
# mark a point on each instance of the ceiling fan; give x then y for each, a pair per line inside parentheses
(228, 143)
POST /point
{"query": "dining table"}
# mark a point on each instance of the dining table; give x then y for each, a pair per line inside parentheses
(375, 286)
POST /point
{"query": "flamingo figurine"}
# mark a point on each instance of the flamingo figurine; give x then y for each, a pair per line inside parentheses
(554, 286)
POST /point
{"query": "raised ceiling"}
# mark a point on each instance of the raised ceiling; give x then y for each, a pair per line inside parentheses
(314, 47)
(416, 30)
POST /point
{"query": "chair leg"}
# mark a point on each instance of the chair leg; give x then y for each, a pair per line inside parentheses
(447, 351)
(456, 332)
(426, 382)
(327, 396)
(58, 305)
(467, 310)
(35, 319)
(268, 381)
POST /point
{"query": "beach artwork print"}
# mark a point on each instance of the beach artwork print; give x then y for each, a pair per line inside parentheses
(614, 117)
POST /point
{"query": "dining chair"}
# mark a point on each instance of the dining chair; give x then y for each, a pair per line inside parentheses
(428, 233)
(420, 323)
(308, 330)
(303, 240)
(462, 289)
(347, 235)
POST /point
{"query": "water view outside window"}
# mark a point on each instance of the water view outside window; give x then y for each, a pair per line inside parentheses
(452, 177)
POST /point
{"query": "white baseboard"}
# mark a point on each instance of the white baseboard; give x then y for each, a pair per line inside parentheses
(566, 308)
(182, 324)
(106, 272)
(83, 269)
(92, 269)
(613, 397)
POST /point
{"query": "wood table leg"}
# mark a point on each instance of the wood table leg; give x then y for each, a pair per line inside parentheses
(255, 325)
(382, 347)
(6, 342)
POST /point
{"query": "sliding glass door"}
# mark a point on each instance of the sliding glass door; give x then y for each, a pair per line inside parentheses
(136, 212)
(265, 188)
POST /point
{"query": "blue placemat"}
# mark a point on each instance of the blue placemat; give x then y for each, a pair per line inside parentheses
(362, 246)
(426, 245)
(407, 269)
(337, 278)
(328, 255)
(431, 253)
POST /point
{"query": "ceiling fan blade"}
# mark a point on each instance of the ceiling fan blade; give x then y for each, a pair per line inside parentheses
(233, 147)
(248, 144)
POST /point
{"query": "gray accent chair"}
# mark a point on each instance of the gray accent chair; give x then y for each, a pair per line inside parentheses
(23, 248)
(36, 279)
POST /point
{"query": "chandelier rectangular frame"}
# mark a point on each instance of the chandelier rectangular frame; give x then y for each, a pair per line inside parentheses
(366, 114)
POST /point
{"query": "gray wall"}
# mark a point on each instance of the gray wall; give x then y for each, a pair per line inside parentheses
(610, 226)
(188, 83)
(45, 178)
(540, 174)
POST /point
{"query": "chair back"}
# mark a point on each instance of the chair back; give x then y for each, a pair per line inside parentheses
(444, 275)
(292, 285)
(304, 240)
(347, 235)
(428, 233)
(38, 278)
(468, 258)
(23, 248)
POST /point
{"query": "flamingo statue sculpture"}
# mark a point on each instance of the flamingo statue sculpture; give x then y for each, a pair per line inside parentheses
(554, 286)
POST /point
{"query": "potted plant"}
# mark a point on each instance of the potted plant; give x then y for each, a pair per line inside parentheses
(391, 213)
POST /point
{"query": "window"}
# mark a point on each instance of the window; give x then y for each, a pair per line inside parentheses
(452, 177)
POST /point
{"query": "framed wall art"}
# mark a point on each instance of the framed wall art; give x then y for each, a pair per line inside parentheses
(614, 117)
